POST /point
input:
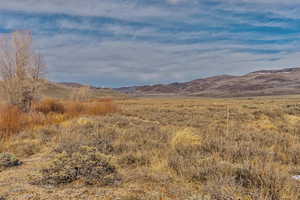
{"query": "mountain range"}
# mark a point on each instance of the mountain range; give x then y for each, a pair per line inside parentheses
(258, 83)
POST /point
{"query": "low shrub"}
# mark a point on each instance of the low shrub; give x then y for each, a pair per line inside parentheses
(87, 134)
(133, 160)
(46, 134)
(25, 148)
(199, 170)
(8, 160)
(87, 165)
(266, 180)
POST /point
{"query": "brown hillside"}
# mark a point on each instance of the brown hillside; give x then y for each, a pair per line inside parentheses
(265, 82)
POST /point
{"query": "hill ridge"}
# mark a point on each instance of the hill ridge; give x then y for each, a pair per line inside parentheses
(258, 83)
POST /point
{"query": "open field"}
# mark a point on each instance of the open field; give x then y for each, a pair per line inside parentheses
(162, 149)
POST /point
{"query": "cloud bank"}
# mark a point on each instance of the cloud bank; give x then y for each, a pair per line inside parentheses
(115, 43)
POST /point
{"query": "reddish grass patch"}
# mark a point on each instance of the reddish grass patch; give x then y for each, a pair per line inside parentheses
(90, 108)
(47, 112)
(100, 108)
(47, 106)
(12, 120)
(74, 108)
(105, 100)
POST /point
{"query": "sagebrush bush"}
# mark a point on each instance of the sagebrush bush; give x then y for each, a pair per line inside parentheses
(31, 141)
(199, 170)
(8, 160)
(25, 148)
(87, 165)
(134, 160)
(253, 182)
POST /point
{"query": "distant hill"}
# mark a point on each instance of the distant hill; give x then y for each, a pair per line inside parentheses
(65, 90)
(259, 83)
(71, 84)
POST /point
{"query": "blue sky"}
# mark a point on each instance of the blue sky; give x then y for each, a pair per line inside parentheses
(115, 43)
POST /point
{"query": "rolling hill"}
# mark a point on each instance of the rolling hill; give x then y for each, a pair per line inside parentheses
(258, 83)
(65, 91)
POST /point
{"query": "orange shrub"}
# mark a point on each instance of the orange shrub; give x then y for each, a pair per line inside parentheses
(47, 106)
(106, 100)
(48, 111)
(12, 120)
(74, 108)
(90, 108)
(100, 108)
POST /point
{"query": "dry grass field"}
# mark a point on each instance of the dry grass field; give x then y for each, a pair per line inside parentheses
(155, 149)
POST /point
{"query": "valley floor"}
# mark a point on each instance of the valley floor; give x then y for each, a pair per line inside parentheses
(163, 149)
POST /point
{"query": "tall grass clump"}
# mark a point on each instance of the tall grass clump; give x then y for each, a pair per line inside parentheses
(47, 106)
(186, 141)
(74, 108)
(100, 108)
(12, 120)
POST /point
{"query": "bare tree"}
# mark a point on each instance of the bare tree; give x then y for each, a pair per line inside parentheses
(21, 69)
(81, 94)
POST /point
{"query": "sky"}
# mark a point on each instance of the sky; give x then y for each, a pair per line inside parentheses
(115, 43)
